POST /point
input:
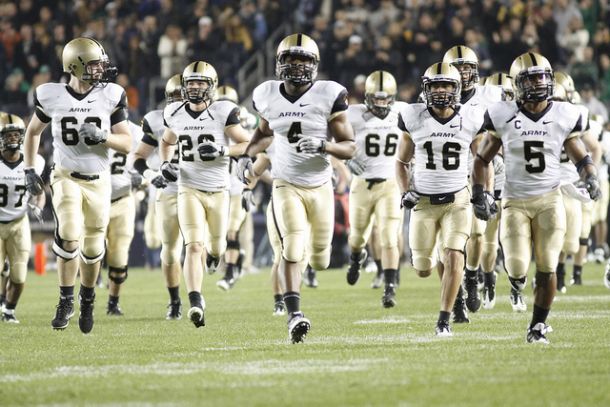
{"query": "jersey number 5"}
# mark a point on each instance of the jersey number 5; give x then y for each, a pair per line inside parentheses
(531, 154)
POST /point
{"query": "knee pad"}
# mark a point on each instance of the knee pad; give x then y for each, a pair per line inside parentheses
(92, 259)
(518, 283)
(421, 262)
(356, 241)
(423, 273)
(169, 255)
(61, 252)
(320, 259)
(293, 248)
(233, 244)
(117, 274)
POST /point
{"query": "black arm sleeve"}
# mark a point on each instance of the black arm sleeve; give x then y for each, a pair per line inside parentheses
(401, 124)
(39, 110)
(578, 125)
(340, 104)
(120, 111)
(140, 165)
(148, 139)
(487, 123)
(233, 117)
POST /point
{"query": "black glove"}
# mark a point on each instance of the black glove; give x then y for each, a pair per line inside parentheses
(482, 203)
(244, 163)
(208, 150)
(409, 199)
(169, 171)
(155, 178)
(593, 187)
(33, 182)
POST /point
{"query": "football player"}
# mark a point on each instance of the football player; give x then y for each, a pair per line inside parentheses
(15, 239)
(121, 227)
(438, 135)
(205, 129)
(165, 208)
(600, 211)
(88, 118)
(307, 121)
(479, 97)
(374, 190)
(532, 131)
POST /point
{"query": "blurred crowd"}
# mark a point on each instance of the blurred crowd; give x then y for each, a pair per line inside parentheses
(157, 38)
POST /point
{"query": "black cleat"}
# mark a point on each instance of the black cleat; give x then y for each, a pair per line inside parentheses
(473, 300)
(355, 263)
(561, 281)
(85, 319)
(460, 316)
(298, 327)
(114, 310)
(538, 332)
(480, 278)
(310, 277)
(196, 316)
(279, 308)
(8, 316)
(174, 311)
(211, 264)
(443, 330)
(389, 296)
(63, 313)
(576, 278)
(489, 291)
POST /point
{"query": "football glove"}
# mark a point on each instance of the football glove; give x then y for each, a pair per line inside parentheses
(483, 202)
(593, 187)
(409, 199)
(94, 134)
(33, 182)
(169, 171)
(208, 150)
(155, 178)
(355, 166)
(35, 211)
(136, 179)
(244, 163)
(247, 199)
(311, 145)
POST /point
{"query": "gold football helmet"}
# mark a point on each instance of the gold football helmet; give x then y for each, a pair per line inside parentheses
(302, 67)
(173, 89)
(226, 92)
(559, 93)
(565, 80)
(467, 63)
(533, 77)
(12, 131)
(442, 73)
(380, 93)
(202, 72)
(504, 82)
(576, 99)
(86, 59)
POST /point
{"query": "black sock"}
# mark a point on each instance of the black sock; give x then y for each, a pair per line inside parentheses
(444, 316)
(561, 268)
(355, 256)
(87, 293)
(379, 266)
(490, 278)
(539, 315)
(389, 276)
(10, 305)
(577, 270)
(2, 298)
(230, 271)
(278, 298)
(174, 294)
(195, 299)
(292, 300)
(471, 273)
(66, 292)
(112, 300)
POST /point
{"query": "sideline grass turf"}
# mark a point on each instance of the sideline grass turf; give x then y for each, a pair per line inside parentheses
(357, 353)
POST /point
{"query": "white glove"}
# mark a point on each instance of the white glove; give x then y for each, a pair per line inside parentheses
(409, 199)
(355, 166)
(93, 134)
(208, 150)
(35, 211)
(244, 164)
(311, 145)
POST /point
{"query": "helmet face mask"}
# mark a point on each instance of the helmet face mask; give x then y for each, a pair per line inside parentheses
(469, 74)
(379, 103)
(297, 60)
(442, 85)
(198, 91)
(533, 78)
(199, 80)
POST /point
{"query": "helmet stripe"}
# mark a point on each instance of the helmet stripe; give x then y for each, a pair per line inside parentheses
(10, 118)
(196, 66)
(381, 81)
(534, 63)
(439, 68)
(459, 51)
(299, 39)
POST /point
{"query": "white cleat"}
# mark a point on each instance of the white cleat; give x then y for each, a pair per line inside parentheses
(537, 333)
(607, 276)
(443, 330)
(516, 301)
(211, 264)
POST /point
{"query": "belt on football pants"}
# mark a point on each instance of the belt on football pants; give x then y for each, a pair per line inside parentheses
(118, 199)
(84, 177)
(373, 181)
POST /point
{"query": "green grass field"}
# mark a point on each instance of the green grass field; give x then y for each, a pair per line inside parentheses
(357, 353)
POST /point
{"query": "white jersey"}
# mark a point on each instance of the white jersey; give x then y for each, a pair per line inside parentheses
(121, 164)
(532, 145)
(376, 140)
(483, 96)
(236, 187)
(13, 194)
(192, 128)
(153, 129)
(290, 118)
(68, 111)
(569, 175)
(442, 147)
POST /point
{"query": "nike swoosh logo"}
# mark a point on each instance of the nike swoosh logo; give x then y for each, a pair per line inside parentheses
(304, 104)
(203, 118)
(91, 101)
(280, 186)
(442, 198)
(547, 122)
(474, 104)
(453, 126)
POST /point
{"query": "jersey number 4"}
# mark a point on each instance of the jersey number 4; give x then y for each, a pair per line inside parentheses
(69, 129)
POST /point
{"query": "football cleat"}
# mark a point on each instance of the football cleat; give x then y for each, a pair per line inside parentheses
(355, 263)
(378, 280)
(607, 276)
(196, 316)
(63, 313)
(489, 292)
(8, 316)
(114, 310)
(298, 326)
(225, 284)
(599, 255)
(310, 277)
(174, 311)
(443, 330)
(538, 332)
(516, 301)
(576, 278)
(389, 296)
(473, 300)
(460, 316)
(211, 264)
(279, 308)
(480, 279)
(85, 318)
(561, 282)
